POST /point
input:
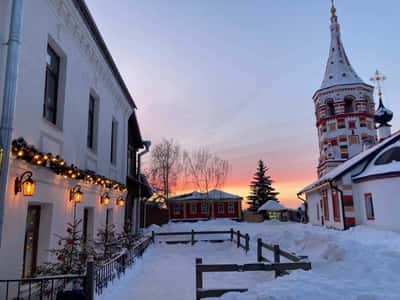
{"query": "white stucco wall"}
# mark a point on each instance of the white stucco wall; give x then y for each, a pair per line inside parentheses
(385, 195)
(84, 71)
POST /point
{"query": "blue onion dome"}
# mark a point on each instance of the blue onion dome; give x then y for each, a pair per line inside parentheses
(383, 115)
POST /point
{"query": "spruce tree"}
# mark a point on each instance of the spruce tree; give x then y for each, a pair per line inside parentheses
(261, 189)
(70, 257)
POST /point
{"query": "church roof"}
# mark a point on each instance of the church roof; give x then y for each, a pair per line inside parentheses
(351, 163)
(338, 68)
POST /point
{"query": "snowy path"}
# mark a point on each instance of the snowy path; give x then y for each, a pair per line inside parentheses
(357, 264)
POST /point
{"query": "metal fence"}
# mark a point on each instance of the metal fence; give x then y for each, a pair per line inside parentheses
(48, 287)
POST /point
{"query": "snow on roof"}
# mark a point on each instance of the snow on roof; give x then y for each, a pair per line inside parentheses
(338, 68)
(271, 205)
(339, 170)
(213, 194)
(373, 169)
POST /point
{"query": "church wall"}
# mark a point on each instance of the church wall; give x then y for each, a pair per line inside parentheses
(385, 194)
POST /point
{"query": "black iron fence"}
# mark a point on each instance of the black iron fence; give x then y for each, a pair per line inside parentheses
(115, 268)
(82, 286)
(47, 287)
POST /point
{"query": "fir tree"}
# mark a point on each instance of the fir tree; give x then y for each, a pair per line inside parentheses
(106, 243)
(71, 257)
(261, 189)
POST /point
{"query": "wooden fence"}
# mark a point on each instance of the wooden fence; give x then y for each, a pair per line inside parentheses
(277, 253)
(280, 268)
(242, 240)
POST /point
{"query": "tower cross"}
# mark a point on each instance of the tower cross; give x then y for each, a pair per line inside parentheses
(378, 80)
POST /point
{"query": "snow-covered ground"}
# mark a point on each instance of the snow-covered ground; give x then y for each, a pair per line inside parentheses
(360, 263)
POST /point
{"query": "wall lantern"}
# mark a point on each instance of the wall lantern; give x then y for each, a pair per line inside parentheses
(75, 194)
(105, 199)
(26, 186)
(120, 201)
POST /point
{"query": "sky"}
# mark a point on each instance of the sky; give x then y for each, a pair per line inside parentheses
(238, 76)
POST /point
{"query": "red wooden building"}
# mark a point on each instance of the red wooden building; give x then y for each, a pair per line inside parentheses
(202, 206)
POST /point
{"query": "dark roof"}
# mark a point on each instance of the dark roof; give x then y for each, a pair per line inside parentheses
(134, 137)
(96, 35)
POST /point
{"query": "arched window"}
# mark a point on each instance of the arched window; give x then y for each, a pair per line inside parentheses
(393, 154)
(330, 108)
(348, 104)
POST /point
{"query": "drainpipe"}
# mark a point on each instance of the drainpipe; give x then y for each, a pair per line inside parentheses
(147, 145)
(341, 202)
(305, 206)
(9, 99)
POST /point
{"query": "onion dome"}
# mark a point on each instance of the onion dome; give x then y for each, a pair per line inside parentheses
(383, 115)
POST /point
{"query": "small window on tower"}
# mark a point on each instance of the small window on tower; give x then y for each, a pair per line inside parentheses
(330, 108)
(348, 105)
(352, 125)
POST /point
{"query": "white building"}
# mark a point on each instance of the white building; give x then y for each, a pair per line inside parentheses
(359, 174)
(73, 107)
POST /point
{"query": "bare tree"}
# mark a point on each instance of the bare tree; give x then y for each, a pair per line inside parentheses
(165, 166)
(204, 170)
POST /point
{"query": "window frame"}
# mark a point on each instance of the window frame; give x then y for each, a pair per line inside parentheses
(369, 210)
(204, 208)
(325, 204)
(335, 205)
(231, 208)
(114, 142)
(92, 123)
(55, 76)
(220, 208)
(193, 208)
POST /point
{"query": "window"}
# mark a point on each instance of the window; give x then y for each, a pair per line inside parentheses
(335, 204)
(344, 151)
(51, 86)
(204, 208)
(348, 105)
(330, 108)
(341, 123)
(325, 204)
(231, 208)
(177, 209)
(92, 130)
(114, 135)
(369, 207)
(352, 125)
(193, 208)
(220, 208)
(332, 126)
(354, 139)
(389, 156)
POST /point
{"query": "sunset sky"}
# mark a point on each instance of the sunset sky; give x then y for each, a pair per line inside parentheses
(238, 76)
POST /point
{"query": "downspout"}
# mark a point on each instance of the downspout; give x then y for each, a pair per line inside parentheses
(341, 202)
(9, 99)
(305, 206)
(147, 145)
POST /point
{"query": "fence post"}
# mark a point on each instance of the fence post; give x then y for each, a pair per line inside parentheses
(152, 236)
(90, 277)
(231, 234)
(247, 242)
(259, 250)
(238, 238)
(277, 258)
(192, 237)
(199, 277)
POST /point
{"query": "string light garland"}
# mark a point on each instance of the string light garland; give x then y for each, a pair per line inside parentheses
(22, 150)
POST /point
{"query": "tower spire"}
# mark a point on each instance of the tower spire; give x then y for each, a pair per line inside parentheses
(333, 9)
(338, 69)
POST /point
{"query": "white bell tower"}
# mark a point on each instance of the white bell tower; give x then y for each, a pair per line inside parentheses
(344, 107)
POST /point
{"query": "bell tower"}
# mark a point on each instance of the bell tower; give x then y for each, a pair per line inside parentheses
(344, 107)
